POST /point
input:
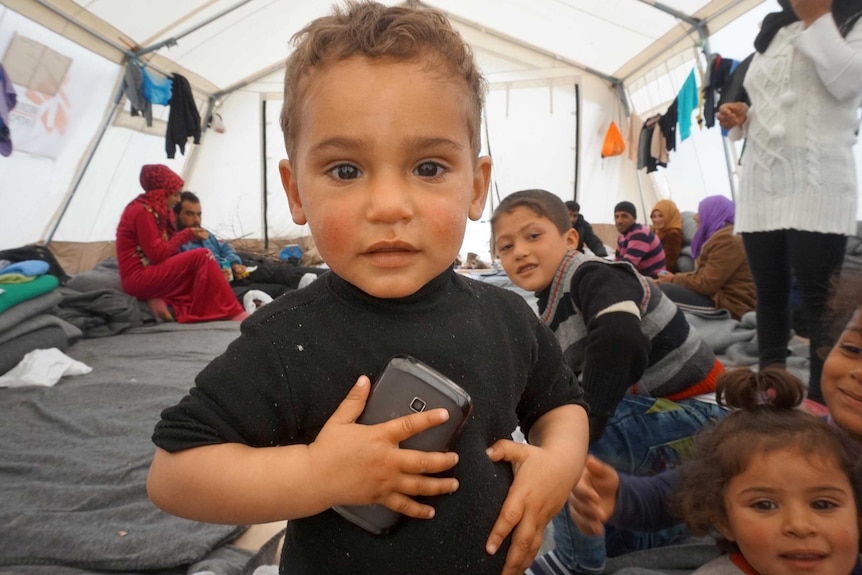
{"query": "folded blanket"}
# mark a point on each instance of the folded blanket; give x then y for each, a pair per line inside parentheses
(27, 268)
(16, 293)
(27, 309)
(14, 278)
(100, 312)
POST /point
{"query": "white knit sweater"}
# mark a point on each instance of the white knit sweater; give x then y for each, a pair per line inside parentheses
(798, 170)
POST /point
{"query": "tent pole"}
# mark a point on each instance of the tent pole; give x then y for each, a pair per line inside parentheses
(263, 188)
(641, 191)
(79, 176)
(172, 41)
(729, 160)
(576, 191)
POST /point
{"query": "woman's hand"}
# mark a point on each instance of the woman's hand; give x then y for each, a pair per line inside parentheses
(732, 114)
(199, 233)
(664, 277)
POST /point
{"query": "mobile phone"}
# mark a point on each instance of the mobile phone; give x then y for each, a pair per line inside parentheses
(405, 386)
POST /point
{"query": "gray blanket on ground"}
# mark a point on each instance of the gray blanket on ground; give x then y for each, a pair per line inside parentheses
(74, 459)
(735, 341)
(73, 467)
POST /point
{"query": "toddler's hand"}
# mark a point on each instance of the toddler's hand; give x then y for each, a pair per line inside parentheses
(537, 494)
(594, 498)
(363, 464)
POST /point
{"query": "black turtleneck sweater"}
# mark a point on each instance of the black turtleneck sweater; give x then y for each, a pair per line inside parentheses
(297, 358)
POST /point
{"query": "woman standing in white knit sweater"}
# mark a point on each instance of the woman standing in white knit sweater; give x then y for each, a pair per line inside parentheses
(797, 194)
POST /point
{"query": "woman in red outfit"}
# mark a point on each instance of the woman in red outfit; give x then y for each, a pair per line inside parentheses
(188, 285)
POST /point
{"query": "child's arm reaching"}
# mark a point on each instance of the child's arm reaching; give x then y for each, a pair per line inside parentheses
(347, 464)
(545, 471)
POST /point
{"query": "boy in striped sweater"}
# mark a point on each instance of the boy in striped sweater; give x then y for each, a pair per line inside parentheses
(647, 375)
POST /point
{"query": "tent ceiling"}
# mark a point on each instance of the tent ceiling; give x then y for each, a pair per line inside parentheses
(225, 43)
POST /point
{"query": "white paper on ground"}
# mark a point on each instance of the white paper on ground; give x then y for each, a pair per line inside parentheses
(43, 367)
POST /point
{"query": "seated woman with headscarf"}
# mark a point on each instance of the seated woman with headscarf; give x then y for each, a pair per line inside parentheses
(187, 286)
(667, 225)
(721, 277)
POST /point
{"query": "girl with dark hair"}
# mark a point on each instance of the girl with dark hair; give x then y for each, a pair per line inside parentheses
(778, 484)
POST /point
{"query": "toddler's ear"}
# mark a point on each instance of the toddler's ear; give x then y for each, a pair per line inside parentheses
(481, 181)
(722, 527)
(291, 188)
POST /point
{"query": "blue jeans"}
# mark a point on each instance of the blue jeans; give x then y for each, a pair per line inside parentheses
(645, 435)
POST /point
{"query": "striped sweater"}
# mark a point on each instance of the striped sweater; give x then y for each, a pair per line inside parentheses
(621, 335)
(642, 248)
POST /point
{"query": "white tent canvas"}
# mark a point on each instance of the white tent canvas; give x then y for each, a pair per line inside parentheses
(556, 70)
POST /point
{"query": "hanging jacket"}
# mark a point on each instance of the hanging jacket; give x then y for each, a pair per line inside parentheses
(184, 120)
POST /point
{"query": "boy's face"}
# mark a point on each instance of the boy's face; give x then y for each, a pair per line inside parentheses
(531, 247)
(383, 172)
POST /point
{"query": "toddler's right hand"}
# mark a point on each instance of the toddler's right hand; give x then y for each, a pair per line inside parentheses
(363, 464)
(594, 497)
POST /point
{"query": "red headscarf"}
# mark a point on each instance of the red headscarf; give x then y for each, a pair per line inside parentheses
(159, 182)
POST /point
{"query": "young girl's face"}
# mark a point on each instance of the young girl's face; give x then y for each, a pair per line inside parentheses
(841, 381)
(793, 513)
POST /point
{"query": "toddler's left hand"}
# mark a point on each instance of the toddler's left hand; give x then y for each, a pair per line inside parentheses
(538, 492)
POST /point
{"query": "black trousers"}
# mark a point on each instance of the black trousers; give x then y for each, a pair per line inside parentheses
(776, 258)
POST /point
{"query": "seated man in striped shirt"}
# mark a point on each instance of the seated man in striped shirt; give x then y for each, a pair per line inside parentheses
(637, 244)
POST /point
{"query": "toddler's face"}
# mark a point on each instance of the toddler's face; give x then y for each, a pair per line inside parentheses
(531, 247)
(790, 513)
(841, 381)
(384, 173)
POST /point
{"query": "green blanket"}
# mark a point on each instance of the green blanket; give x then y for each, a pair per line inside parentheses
(13, 294)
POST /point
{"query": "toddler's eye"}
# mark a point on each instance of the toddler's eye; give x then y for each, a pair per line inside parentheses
(823, 505)
(429, 170)
(344, 172)
(850, 349)
(764, 505)
(504, 248)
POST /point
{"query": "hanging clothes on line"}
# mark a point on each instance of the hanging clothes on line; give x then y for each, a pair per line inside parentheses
(8, 100)
(184, 120)
(718, 75)
(157, 89)
(688, 103)
(652, 148)
(133, 88)
(667, 124)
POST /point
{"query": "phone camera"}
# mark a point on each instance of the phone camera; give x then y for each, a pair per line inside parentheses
(417, 405)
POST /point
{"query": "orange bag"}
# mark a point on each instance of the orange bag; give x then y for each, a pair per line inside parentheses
(614, 144)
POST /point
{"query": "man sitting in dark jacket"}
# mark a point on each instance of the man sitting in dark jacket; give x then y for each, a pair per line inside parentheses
(585, 231)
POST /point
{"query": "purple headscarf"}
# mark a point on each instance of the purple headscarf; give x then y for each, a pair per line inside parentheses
(714, 212)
